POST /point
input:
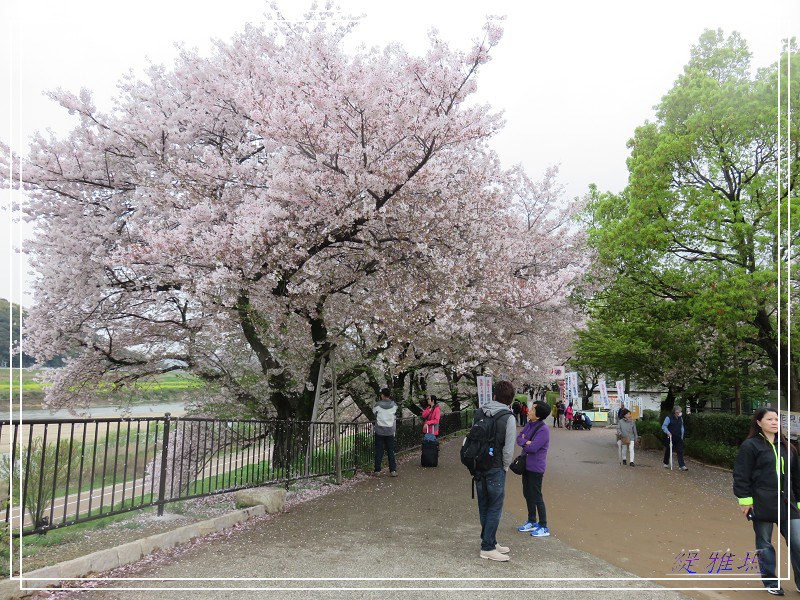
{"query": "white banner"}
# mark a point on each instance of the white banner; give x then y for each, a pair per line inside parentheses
(790, 424)
(557, 372)
(604, 394)
(572, 386)
(484, 390)
(621, 391)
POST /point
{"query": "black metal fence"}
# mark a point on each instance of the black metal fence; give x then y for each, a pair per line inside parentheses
(63, 472)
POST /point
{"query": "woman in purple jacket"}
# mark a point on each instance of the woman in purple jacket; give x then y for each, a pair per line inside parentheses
(535, 440)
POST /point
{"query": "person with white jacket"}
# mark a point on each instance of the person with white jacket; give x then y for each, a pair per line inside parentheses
(626, 435)
(385, 428)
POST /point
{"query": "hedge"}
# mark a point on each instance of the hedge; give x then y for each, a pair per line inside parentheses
(713, 453)
(713, 438)
(722, 428)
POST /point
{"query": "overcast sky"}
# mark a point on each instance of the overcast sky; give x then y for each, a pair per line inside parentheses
(573, 78)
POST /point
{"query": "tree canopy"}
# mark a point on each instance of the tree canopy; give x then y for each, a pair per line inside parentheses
(240, 215)
(696, 248)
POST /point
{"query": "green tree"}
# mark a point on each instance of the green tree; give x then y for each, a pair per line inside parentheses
(696, 231)
(10, 316)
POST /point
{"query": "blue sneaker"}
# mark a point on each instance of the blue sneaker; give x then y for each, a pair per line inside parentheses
(528, 527)
(540, 532)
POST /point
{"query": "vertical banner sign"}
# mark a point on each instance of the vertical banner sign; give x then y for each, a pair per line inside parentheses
(572, 382)
(621, 391)
(790, 424)
(604, 394)
(484, 390)
(562, 389)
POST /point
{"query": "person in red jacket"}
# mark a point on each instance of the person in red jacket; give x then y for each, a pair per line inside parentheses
(431, 416)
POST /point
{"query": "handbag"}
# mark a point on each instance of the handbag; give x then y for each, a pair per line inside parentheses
(625, 440)
(518, 464)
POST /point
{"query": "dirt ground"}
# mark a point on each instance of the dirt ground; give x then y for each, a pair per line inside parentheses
(642, 518)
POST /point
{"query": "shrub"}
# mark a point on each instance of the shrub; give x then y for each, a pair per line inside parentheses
(720, 428)
(651, 415)
(652, 428)
(714, 453)
(650, 441)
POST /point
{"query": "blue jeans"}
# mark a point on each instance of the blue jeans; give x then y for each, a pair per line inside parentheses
(766, 553)
(491, 490)
(381, 442)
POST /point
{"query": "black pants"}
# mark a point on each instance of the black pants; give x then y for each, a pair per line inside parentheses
(532, 490)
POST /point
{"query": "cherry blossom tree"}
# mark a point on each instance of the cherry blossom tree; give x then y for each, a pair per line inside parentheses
(240, 215)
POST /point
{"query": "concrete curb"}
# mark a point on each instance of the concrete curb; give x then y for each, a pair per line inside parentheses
(111, 558)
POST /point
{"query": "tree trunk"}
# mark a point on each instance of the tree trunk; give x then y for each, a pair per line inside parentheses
(669, 401)
(789, 381)
(452, 385)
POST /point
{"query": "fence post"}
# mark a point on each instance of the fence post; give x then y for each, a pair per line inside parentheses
(162, 480)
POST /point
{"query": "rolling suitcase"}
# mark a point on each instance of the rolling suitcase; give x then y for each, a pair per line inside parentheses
(430, 453)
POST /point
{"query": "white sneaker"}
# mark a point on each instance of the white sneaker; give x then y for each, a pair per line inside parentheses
(494, 555)
(502, 549)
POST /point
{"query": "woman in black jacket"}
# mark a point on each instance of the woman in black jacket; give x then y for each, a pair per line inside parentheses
(763, 455)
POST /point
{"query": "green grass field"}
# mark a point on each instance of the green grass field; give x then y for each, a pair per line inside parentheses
(159, 389)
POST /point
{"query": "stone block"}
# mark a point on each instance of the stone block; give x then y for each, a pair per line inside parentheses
(205, 527)
(226, 521)
(36, 578)
(255, 511)
(129, 553)
(151, 543)
(10, 589)
(271, 498)
(77, 567)
(103, 560)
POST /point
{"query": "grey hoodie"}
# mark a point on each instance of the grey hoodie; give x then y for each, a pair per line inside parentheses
(385, 417)
(492, 408)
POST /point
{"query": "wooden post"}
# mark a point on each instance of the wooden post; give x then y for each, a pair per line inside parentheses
(337, 440)
(317, 392)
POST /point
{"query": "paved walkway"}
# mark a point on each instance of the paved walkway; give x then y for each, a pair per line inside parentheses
(417, 534)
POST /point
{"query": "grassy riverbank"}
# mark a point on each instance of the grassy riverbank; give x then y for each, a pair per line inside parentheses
(162, 389)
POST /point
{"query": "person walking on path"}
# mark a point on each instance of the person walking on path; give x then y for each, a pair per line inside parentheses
(569, 413)
(534, 439)
(673, 427)
(516, 409)
(554, 414)
(627, 436)
(523, 413)
(385, 428)
(431, 417)
(764, 498)
(491, 486)
(561, 411)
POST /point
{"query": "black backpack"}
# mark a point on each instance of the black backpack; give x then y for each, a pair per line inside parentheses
(477, 450)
